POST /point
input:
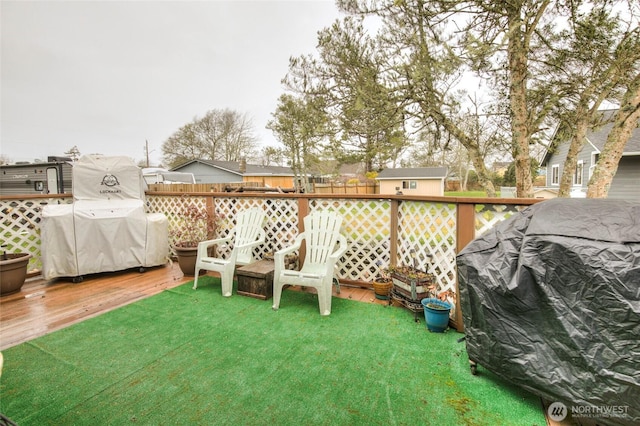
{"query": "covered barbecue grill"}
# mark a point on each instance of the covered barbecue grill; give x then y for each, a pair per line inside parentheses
(106, 228)
(550, 300)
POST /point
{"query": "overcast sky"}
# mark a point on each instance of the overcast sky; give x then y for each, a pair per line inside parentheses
(107, 75)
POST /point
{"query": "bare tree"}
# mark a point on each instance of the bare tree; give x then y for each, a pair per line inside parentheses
(299, 123)
(74, 153)
(219, 135)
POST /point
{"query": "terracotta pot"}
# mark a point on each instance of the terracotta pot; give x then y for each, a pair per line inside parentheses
(13, 272)
(382, 289)
(187, 259)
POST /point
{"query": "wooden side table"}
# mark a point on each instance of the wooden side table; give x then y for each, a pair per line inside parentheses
(256, 279)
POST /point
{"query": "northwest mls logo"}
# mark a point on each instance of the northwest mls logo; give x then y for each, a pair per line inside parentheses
(557, 411)
(110, 181)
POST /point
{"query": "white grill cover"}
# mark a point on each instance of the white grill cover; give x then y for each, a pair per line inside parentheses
(106, 228)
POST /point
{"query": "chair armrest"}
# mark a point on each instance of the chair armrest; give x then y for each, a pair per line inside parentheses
(204, 245)
(278, 258)
(342, 248)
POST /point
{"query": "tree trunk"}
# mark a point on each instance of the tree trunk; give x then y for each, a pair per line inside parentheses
(517, 56)
(474, 154)
(625, 123)
(570, 163)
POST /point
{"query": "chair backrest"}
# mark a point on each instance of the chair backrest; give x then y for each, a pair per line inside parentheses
(249, 227)
(321, 230)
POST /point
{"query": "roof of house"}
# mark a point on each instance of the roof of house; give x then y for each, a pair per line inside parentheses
(597, 137)
(414, 173)
(234, 167)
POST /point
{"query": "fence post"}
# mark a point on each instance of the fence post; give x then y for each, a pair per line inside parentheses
(303, 211)
(465, 233)
(393, 233)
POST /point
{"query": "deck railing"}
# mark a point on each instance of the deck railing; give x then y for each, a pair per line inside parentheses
(382, 230)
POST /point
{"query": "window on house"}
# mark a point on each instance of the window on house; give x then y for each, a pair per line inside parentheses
(555, 174)
(577, 176)
(409, 184)
(594, 160)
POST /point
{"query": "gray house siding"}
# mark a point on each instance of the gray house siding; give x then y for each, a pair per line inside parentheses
(557, 159)
(626, 182)
(207, 174)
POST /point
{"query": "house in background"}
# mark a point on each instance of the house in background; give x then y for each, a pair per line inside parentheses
(500, 167)
(211, 171)
(626, 182)
(413, 181)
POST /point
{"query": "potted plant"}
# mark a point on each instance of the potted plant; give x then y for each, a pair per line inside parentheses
(412, 283)
(436, 313)
(194, 225)
(13, 271)
(382, 284)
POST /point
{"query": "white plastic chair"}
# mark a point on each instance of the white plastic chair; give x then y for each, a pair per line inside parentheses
(321, 235)
(247, 234)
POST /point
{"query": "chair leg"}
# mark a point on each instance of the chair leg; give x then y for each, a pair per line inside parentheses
(226, 278)
(324, 299)
(195, 280)
(277, 293)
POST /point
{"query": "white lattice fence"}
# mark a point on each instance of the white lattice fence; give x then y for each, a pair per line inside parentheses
(427, 240)
(488, 215)
(173, 208)
(424, 228)
(366, 227)
(21, 227)
(281, 227)
(282, 221)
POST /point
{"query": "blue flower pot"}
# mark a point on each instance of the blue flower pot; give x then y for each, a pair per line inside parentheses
(436, 314)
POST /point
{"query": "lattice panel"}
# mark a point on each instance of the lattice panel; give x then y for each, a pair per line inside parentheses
(427, 239)
(173, 207)
(488, 215)
(282, 223)
(366, 227)
(21, 227)
(281, 227)
(424, 227)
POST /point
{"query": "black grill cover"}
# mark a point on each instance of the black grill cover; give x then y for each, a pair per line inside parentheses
(551, 302)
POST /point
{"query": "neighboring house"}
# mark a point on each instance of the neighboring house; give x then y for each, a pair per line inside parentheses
(413, 181)
(500, 167)
(332, 171)
(626, 182)
(210, 171)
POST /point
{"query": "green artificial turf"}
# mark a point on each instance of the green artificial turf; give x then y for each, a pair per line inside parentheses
(194, 357)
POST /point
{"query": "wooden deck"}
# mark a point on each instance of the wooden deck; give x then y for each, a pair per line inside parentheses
(42, 307)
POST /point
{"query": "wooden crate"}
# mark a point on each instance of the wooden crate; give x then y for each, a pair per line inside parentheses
(256, 279)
